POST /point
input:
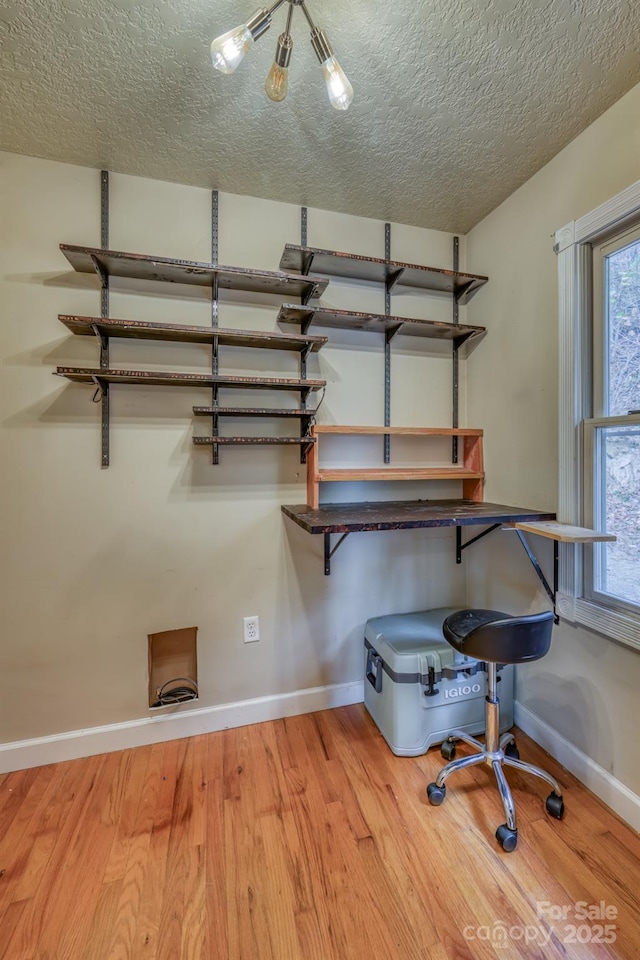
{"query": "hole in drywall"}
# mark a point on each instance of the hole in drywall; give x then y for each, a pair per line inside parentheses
(173, 667)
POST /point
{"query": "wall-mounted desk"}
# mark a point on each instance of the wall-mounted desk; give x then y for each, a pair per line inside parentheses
(346, 518)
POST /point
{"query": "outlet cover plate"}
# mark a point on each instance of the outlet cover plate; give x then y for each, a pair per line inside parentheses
(251, 629)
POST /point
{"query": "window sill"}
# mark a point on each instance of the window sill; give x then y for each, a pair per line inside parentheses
(623, 627)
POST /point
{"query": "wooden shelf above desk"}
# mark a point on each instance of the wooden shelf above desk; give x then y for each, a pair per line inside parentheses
(470, 471)
(452, 472)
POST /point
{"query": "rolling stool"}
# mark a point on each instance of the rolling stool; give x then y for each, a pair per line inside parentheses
(497, 638)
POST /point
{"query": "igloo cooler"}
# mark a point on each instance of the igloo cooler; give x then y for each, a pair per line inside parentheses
(418, 689)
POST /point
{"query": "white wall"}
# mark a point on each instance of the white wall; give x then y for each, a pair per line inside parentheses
(93, 560)
(587, 688)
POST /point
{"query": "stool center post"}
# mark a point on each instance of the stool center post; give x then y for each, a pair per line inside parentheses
(493, 720)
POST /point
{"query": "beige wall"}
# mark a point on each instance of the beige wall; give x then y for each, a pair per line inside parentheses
(93, 560)
(587, 688)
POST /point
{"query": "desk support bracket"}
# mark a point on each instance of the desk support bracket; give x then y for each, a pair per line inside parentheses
(538, 569)
(328, 552)
(551, 593)
(460, 546)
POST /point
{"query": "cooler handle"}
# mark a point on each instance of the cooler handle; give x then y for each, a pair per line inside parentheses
(375, 679)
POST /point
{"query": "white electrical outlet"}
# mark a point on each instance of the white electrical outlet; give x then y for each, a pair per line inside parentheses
(251, 629)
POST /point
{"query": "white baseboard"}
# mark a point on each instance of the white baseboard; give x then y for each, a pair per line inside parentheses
(172, 726)
(611, 791)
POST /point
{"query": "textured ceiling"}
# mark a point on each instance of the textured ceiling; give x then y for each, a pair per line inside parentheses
(457, 102)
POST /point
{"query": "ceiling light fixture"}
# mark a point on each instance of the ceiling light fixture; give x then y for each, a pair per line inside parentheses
(229, 49)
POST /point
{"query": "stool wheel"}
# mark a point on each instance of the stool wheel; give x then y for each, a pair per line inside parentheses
(512, 751)
(436, 794)
(448, 749)
(507, 838)
(555, 805)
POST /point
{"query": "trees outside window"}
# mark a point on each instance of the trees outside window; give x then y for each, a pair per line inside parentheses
(613, 447)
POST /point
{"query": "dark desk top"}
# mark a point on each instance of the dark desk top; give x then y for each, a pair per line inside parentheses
(405, 515)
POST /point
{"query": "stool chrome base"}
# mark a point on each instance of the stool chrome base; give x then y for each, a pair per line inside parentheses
(495, 753)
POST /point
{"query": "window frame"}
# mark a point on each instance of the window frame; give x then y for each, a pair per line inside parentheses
(574, 248)
(592, 468)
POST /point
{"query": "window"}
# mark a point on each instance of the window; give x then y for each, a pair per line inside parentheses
(612, 437)
(599, 399)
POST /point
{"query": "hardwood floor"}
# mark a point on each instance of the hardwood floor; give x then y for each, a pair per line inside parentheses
(302, 839)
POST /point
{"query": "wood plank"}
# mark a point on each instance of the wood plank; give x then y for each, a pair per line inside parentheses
(473, 459)
(452, 472)
(160, 792)
(25, 796)
(393, 431)
(378, 323)
(371, 269)
(117, 263)
(249, 441)
(471, 471)
(125, 920)
(313, 488)
(189, 333)
(180, 882)
(564, 532)
(258, 412)
(168, 379)
(20, 849)
(97, 832)
(47, 884)
(217, 929)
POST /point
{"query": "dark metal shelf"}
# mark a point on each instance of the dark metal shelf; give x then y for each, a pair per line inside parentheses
(247, 441)
(252, 412)
(377, 323)
(182, 333)
(160, 378)
(390, 272)
(115, 263)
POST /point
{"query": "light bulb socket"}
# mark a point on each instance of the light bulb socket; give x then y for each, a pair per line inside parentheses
(283, 50)
(259, 23)
(321, 45)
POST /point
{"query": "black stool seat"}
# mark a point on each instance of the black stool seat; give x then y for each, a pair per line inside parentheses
(498, 637)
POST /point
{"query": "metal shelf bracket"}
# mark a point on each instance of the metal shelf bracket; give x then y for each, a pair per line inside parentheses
(550, 591)
(460, 546)
(328, 552)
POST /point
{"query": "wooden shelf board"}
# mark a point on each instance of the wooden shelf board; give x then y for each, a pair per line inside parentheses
(564, 533)
(140, 266)
(161, 378)
(405, 515)
(292, 313)
(452, 472)
(183, 333)
(251, 412)
(408, 431)
(370, 269)
(248, 441)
